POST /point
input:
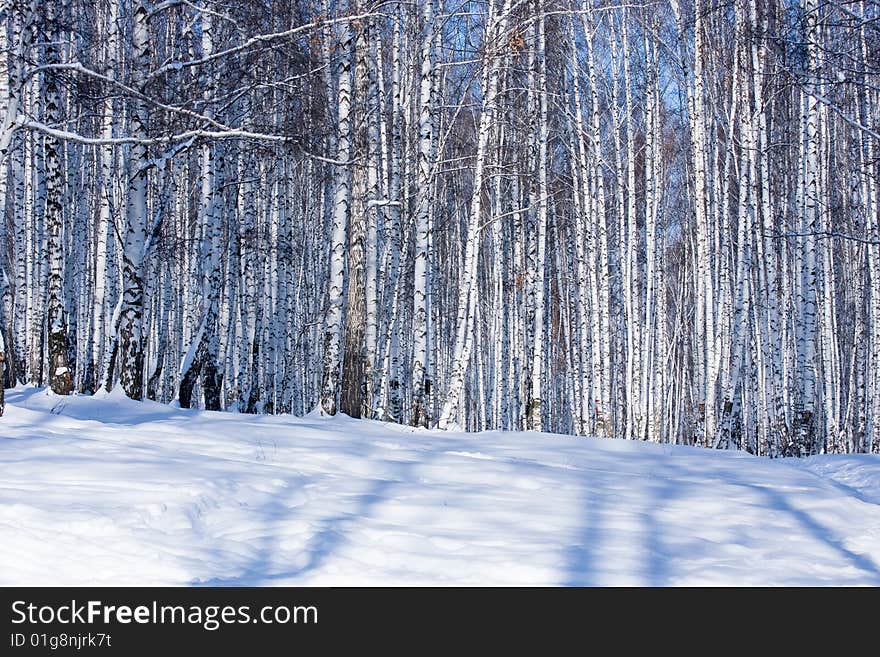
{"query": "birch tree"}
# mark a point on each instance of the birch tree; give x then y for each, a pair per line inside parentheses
(637, 221)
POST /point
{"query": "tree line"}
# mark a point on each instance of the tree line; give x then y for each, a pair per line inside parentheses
(652, 220)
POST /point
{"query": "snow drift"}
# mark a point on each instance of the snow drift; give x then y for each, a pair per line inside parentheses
(103, 490)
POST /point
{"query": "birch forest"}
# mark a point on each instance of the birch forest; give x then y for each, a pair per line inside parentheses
(653, 220)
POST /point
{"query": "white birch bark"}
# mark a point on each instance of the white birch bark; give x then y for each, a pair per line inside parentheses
(130, 345)
(650, 210)
(633, 270)
(339, 234)
(107, 203)
(602, 400)
(810, 225)
(376, 205)
(60, 375)
(421, 381)
(535, 400)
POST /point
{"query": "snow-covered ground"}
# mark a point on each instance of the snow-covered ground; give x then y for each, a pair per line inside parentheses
(109, 491)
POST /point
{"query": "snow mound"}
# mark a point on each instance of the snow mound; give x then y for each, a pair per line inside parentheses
(103, 490)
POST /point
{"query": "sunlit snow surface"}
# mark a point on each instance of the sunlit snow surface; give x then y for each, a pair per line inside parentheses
(103, 490)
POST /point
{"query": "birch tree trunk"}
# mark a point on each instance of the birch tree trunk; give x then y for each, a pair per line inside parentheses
(421, 380)
(602, 399)
(352, 391)
(535, 400)
(129, 333)
(201, 355)
(60, 376)
(810, 225)
(107, 204)
(339, 235)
